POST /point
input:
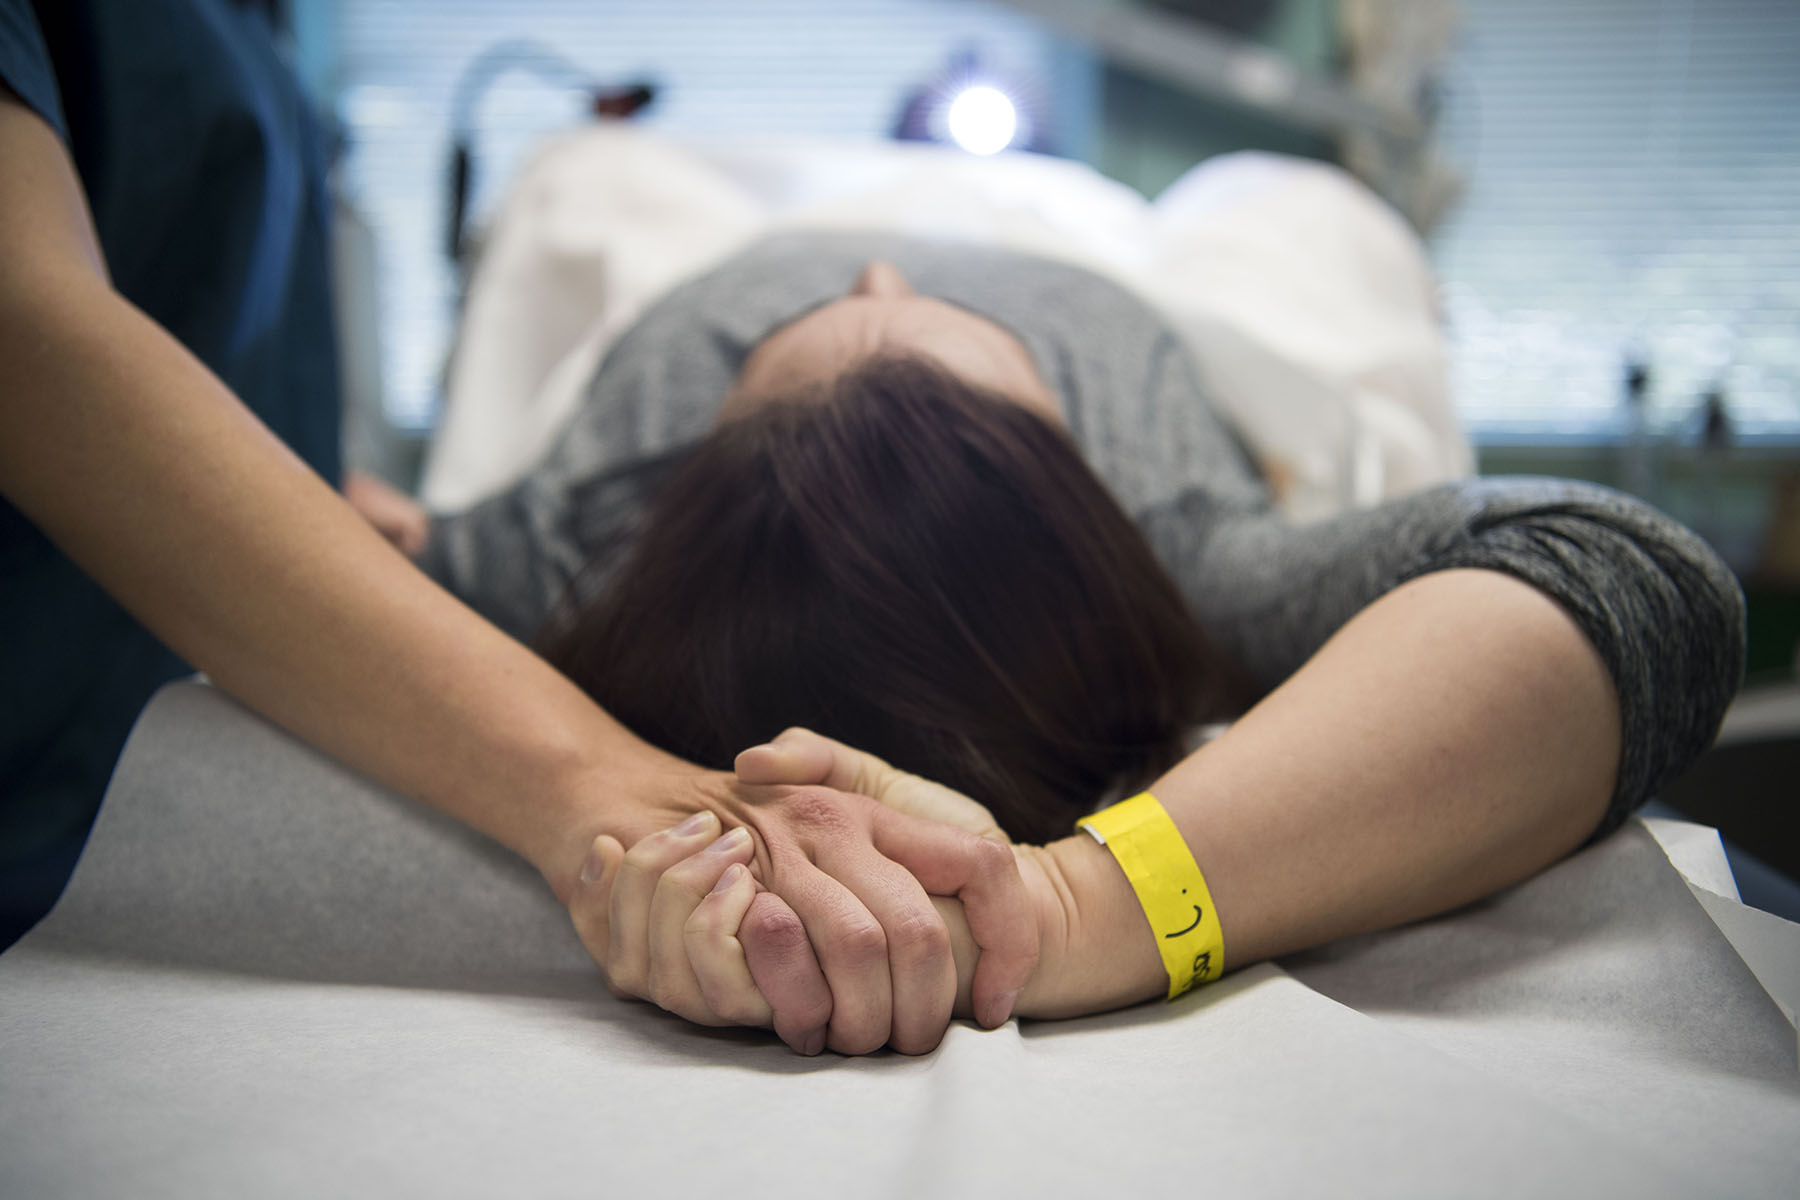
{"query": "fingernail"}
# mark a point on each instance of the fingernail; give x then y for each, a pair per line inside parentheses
(814, 1044)
(728, 878)
(731, 842)
(694, 824)
(1000, 1008)
(593, 867)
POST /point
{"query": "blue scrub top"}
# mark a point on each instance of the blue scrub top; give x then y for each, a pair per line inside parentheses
(204, 169)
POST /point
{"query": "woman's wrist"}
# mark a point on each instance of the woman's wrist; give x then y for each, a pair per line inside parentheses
(1103, 953)
(1096, 950)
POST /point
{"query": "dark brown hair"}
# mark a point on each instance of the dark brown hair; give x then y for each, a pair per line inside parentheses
(918, 568)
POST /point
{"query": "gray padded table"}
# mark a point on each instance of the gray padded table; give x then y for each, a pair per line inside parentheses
(270, 977)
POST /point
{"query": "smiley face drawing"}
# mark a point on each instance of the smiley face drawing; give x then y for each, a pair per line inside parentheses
(1198, 917)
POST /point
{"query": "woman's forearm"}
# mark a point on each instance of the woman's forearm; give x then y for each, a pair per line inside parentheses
(1457, 736)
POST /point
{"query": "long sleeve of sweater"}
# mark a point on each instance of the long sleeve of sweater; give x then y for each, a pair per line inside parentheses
(1662, 610)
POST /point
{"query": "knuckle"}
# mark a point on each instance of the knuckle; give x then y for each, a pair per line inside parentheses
(639, 861)
(741, 1010)
(706, 931)
(628, 980)
(860, 941)
(774, 928)
(858, 1041)
(679, 889)
(665, 987)
(916, 1043)
(993, 860)
(812, 1013)
(992, 855)
(817, 808)
(702, 925)
(643, 850)
(918, 939)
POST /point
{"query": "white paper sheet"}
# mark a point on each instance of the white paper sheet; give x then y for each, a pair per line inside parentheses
(1769, 945)
(271, 978)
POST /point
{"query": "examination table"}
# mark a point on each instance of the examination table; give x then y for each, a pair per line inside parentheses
(269, 977)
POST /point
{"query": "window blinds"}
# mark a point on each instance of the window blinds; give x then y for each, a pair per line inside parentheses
(1634, 170)
(1634, 190)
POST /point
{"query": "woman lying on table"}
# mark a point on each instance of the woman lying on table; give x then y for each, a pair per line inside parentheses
(969, 514)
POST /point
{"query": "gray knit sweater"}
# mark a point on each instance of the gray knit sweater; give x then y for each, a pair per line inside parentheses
(1665, 614)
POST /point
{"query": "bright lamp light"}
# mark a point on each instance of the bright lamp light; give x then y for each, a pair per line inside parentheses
(982, 120)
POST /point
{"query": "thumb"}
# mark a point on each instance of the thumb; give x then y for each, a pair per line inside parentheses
(802, 757)
(985, 877)
(591, 896)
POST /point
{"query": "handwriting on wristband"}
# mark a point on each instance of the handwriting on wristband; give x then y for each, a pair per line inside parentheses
(1202, 968)
(1199, 916)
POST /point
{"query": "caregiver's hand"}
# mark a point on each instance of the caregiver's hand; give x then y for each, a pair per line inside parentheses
(856, 876)
(686, 892)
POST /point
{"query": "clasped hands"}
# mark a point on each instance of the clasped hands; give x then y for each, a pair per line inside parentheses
(800, 893)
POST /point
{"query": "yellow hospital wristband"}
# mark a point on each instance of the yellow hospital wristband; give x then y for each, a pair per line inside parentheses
(1169, 886)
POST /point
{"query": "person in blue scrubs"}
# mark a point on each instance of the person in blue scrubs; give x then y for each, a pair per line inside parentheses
(204, 172)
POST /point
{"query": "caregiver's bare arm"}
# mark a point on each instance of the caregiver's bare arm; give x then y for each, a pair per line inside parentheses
(143, 467)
